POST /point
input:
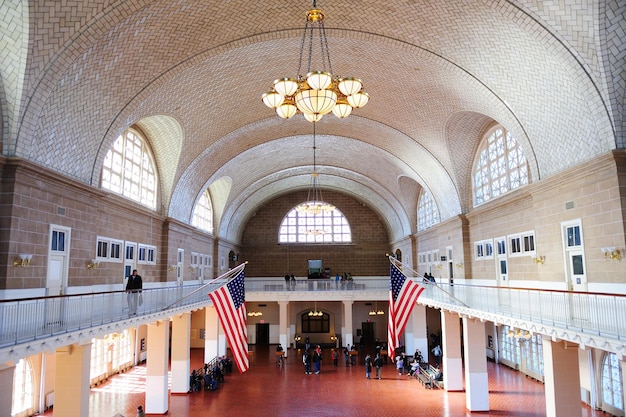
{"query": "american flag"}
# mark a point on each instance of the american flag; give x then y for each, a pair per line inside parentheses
(230, 302)
(403, 294)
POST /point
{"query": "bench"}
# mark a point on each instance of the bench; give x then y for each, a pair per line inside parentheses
(432, 374)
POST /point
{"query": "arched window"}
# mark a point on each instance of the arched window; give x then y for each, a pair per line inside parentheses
(315, 323)
(612, 382)
(323, 227)
(22, 387)
(500, 167)
(128, 169)
(203, 213)
(427, 213)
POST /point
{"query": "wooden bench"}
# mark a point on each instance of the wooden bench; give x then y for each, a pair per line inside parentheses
(423, 377)
(432, 374)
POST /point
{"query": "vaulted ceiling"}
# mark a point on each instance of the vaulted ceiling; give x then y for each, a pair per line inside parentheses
(190, 74)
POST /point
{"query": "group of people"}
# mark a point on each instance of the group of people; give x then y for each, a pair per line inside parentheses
(377, 364)
(208, 378)
(428, 277)
(290, 282)
(314, 357)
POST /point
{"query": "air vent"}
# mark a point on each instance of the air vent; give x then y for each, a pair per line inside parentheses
(569, 205)
(61, 211)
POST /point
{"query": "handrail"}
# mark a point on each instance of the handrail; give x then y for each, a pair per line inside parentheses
(590, 314)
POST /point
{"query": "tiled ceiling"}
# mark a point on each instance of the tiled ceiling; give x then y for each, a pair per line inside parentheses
(190, 74)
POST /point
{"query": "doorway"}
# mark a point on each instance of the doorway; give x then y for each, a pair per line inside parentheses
(368, 336)
(262, 334)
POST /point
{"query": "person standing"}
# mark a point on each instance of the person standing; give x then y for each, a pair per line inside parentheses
(378, 364)
(368, 366)
(335, 356)
(140, 412)
(306, 360)
(317, 359)
(134, 286)
(437, 352)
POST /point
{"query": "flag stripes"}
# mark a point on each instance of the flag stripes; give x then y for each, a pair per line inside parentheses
(229, 301)
(403, 294)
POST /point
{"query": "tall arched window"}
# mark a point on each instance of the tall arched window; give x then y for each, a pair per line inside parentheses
(324, 227)
(203, 213)
(427, 213)
(612, 382)
(22, 387)
(128, 169)
(500, 166)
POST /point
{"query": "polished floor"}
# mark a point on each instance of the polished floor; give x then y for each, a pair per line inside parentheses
(269, 390)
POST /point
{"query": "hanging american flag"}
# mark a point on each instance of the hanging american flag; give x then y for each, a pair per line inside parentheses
(230, 302)
(403, 294)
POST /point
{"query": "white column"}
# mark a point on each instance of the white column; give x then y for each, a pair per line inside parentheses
(211, 330)
(71, 392)
(283, 324)
(6, 394)
(476, 378)
(348, 338)
(451, 360)
(562, 378)
(156, 367)
(415, 336)
(622, 365)
(181, 349)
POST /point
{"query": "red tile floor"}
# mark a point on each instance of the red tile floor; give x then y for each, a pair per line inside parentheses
(268, 390)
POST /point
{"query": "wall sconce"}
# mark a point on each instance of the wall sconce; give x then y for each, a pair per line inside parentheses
(297, 338)
(611, 254)
(23, 259)
(93, 264)
(171, 268)
(333, 337)
(459, 265)
(540, 260)
(438, 265)
(193, 268)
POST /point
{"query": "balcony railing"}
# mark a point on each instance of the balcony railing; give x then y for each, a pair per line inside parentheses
(599, 315)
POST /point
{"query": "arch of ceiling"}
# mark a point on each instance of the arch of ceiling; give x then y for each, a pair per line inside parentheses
(543, 72)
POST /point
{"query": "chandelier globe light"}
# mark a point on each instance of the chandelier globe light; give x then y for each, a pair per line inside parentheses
(315, 204)
(319, 92)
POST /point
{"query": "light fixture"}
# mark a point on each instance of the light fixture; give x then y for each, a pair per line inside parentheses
(539, 260)
(333, 337)
(315, 205)
(319, 92)
(315, 312)
(459, 265)
(611, 254)
(171, 268)
(376, 311)
(519, 334)
(297, 338)
(254, 313)
(23, 259)
(93, 264)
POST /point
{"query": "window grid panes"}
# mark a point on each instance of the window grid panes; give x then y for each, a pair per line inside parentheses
(427, 213)
(612, 382)
(500, 167)
(128, 170)
(295, 228)
(203, 213)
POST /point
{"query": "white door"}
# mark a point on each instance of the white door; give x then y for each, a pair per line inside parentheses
(501, 262)
(576, 276)
(130, 260)
(58, 260)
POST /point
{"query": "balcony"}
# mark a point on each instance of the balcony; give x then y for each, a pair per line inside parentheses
(29, 326)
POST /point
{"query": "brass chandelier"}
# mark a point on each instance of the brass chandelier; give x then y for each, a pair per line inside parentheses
(319, 92)
(315, 204)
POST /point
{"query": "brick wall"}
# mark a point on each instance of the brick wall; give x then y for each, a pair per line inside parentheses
(364, 256)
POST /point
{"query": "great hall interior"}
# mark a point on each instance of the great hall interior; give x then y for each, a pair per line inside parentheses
(480, 142)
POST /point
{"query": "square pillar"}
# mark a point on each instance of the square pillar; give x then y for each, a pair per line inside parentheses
(157, 367)
(562, 378)
(451, 360)
(283, 325)
(71, 392)
(348, 337)
(476, 378)
(181, 350)
(211, 333)
(415, 335)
